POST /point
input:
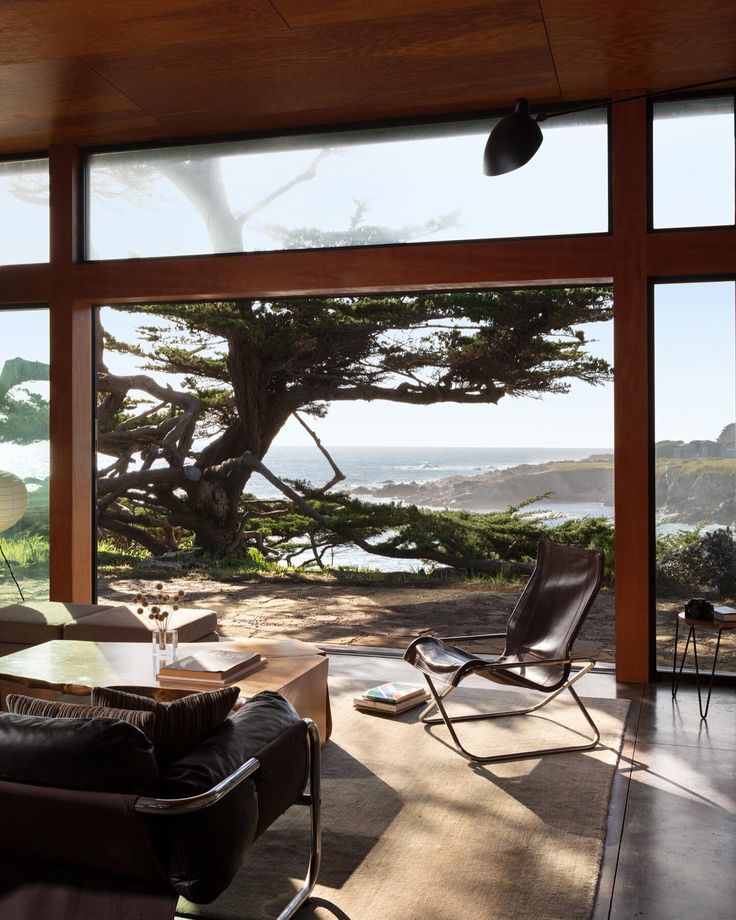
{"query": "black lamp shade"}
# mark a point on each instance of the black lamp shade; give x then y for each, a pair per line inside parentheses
(513, 142)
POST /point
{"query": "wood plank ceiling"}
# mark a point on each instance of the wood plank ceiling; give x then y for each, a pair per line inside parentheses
(99, 72)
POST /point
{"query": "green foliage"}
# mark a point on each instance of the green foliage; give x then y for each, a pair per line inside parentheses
(691, 562)
(114, 556)
(249, 562)
(113, 553)
(509, 536)
(728, 434)
(24, 417)
(24, 414)
(26, 551)
(473, 346)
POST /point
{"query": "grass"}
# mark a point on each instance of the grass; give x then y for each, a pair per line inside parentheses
(576, 466)
(28, 555)
(718, 466)
(114, 562)
(27, 551)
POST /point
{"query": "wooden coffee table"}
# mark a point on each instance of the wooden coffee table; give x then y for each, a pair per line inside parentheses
(74, 667)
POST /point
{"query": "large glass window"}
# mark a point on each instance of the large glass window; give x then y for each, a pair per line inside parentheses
(693, 168)
(695, 457)
(357, 189)
(24, 454)
(24, 205)
(405, 441)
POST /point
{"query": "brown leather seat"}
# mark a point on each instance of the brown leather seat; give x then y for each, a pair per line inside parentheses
(539, 637)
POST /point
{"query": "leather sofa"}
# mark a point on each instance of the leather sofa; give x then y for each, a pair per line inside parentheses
(80, 854)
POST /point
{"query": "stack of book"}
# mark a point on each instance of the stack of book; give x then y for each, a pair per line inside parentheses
(724, 615)
(391, 698)
(210, 668)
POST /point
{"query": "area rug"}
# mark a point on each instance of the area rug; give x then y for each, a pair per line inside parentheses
(411, 831)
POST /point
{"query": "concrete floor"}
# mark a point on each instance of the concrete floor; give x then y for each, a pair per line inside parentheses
(670, 849)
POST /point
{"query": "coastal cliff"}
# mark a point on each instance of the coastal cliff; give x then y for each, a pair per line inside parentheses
(690, 491)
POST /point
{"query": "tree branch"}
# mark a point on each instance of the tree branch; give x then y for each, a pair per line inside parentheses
(309, 173)
(338, 474)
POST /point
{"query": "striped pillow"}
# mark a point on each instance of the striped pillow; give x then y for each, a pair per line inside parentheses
(29, 706)
(180, 725)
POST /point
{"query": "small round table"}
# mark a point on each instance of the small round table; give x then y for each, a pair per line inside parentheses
(693, 624)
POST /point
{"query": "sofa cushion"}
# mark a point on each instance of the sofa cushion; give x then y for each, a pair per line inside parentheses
(30, 706)
(33, 623)
(123, 624)
(267, 727)
(99, 755)
(181, 724)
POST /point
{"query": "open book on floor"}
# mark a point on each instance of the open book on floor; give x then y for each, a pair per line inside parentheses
(391, 698)
(214, 667)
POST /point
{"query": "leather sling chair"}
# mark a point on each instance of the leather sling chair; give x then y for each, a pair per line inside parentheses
(75, 854)
(539, 637)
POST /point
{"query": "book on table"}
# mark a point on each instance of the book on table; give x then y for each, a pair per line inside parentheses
(211, 666)
(391, 698)
(724, 614)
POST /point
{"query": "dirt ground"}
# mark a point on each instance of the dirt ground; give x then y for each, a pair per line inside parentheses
(362, 615)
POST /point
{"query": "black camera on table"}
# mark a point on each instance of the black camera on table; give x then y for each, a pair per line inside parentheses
(698, 608)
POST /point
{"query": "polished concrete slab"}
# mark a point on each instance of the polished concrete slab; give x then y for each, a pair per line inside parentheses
(671, 840)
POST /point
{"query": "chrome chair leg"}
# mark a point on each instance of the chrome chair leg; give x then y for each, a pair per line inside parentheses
(437, 702)
(312, 798)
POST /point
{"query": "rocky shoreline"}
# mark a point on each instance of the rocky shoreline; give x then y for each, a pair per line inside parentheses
(690, 491)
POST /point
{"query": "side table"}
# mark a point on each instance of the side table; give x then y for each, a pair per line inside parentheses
(692, 624)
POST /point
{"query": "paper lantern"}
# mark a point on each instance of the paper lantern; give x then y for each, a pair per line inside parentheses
(13, 500)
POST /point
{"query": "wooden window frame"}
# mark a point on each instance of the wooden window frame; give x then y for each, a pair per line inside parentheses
(630, 257)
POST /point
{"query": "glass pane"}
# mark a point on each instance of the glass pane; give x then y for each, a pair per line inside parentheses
(24, 454)
(435, 432)
(358, 189)
(694, 163)
(695, 485)
(24, 205)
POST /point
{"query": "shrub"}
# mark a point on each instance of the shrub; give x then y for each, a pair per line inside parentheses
(693, 562)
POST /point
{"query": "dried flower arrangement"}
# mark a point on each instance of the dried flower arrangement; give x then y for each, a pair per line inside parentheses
(159, 607)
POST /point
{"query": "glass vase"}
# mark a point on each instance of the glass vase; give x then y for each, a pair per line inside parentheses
(164, 643)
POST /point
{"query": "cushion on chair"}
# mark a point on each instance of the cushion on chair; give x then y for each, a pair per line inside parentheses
(180, 725)
(33, 623)
(440, 660)
(122, 624)
(268, 728)
(103, 755)
(450, 664)
(30, 706)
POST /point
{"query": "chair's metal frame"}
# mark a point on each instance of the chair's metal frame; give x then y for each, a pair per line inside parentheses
(155, 806)
(499, 667)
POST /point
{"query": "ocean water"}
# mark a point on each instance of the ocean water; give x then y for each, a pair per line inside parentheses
(368, 466)
(372, 466)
